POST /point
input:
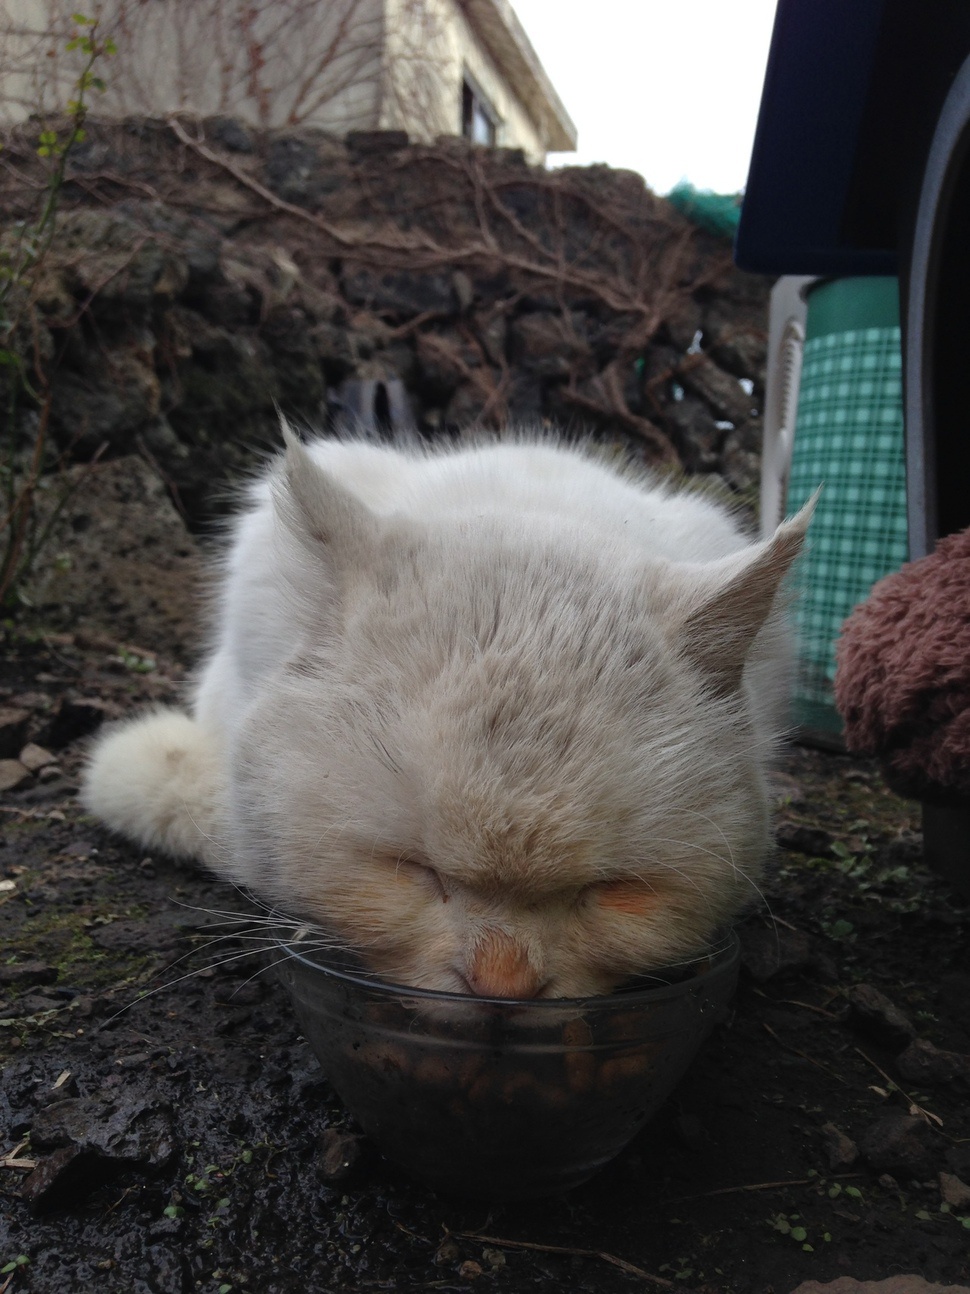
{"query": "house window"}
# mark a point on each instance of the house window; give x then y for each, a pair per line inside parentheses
(479, 121)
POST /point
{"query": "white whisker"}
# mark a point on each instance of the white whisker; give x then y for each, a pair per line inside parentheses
(142, 997)
(218, 846)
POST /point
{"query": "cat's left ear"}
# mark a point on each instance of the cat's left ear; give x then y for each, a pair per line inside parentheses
(731, 600)
(325, 516)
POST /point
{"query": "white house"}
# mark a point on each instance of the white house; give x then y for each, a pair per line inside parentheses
(430, 67)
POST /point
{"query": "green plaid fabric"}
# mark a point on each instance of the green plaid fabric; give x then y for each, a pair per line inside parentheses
(848, 438)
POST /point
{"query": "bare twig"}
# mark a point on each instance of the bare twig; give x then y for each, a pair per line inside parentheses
(13, 1158)
(804, 1055)
(248, 182)
(914, 1106)
(623, 1265)
(756, 1186)
(805, 1006)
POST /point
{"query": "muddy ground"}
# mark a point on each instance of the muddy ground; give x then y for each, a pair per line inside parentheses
(186, 1140)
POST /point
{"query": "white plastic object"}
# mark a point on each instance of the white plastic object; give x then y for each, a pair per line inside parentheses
(786, 342)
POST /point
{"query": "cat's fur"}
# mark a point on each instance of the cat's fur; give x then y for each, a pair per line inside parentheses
(496, 717)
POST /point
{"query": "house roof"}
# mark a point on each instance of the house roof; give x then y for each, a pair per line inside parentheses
(504, 37)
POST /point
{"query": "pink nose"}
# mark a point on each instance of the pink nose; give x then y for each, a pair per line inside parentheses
(500, 967)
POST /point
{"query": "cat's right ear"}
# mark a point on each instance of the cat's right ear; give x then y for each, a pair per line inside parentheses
(320, 512)
(717, 611)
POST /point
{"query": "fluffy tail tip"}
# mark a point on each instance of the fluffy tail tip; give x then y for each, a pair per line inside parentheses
(159, 780)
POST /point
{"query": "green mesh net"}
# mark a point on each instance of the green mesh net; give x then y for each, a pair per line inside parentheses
(718, 213)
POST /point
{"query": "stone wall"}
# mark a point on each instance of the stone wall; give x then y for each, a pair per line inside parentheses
(202, 275)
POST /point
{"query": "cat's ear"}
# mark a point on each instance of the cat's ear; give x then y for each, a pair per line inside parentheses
(320, 512)
(731, 600)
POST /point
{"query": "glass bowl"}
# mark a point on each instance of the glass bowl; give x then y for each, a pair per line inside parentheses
(497, 1098)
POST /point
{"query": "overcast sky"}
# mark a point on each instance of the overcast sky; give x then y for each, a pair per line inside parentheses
(669, 88)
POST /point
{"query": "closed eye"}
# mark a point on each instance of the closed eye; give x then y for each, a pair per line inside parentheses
(629, 895)
(416, 867)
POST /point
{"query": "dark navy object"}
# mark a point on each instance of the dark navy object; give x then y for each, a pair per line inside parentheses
(861, 165)
(853, 91)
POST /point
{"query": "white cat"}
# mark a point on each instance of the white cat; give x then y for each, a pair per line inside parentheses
(496, 717)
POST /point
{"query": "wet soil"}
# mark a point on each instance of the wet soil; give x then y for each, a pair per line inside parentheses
(165, 1129)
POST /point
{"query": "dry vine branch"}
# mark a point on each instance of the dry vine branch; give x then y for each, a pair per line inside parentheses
(604, 259)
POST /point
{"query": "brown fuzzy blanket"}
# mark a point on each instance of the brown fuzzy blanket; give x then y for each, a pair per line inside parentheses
(902, 683)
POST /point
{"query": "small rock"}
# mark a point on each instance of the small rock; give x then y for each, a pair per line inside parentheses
(464, 290)
(446, 1252)
(233, 1020)
(402, 291)
(741, 456)
(470, 1270)
(924, 1063)
(467, 406)
(165, 1227)
(230, 133)
(12, 774)
(13, 730)
(547, 345)
(164, 933)
(65, 1085)
(24, 974)
(54, 788)
(132, 1130)
(741, 351)
(76, 719)
(337, 1154)
(767, 953)
(684, 316)
(247, 994)
(376, 141)
(813, 841)
(34, 757)
(903, 1145)
(873, 1015)
(696, 433)
(953, 1191)
(60, 1179)
(36, 1004)
(138, 1060)
(491, 328)
(720, 390)
(525, 398)
(840, 1150)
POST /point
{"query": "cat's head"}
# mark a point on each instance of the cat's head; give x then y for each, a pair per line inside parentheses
(502, 761)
